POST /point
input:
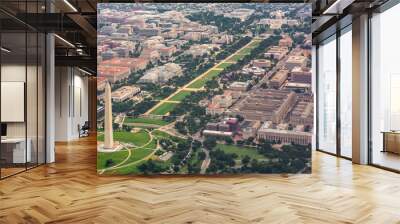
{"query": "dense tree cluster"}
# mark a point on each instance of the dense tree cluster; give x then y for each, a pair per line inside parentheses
(209, 18)
(141, 107)
(222, 162)
(119, 107)
(233, 48)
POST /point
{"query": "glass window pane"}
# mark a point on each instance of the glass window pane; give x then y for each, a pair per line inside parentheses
(13, 87)
(327, 96)
(31, 97)
(346, 94)
(385, 92)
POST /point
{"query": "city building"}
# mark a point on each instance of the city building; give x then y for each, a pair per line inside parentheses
(253, 70)
(276, 52)
(278, 79)
(124, 93)
(286, 41)
(249, 129)
(161, 74)
(219, 103)
(283, 136)
(239, 86)
(167, 52)
(200, 50)
(301, 75)
(113, 73)
(296, 61)
(134, 64)
(302, 114)
(265, 105)
(262, 63)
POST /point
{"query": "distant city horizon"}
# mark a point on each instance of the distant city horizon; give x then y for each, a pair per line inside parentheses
(211, 88)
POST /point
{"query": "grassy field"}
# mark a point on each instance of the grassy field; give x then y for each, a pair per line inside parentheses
(246, 50)
(241, 151)
(160, 134)
(139, 139)
(201, 82)
(136, 155)
(164, 108)
(145, 121)
(224, 65)
(237, 57)
(254, 44)
(180, 96)
(125, 170)
(116, 157)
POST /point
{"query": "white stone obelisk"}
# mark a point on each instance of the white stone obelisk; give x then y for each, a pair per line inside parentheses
(108, 119)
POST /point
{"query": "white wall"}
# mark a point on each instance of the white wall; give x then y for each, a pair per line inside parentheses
(71, 103)
(33, 126)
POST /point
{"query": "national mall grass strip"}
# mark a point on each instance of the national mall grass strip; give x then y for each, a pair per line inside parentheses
(164, 108)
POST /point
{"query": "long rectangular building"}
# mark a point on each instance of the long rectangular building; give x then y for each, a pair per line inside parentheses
(265, 104)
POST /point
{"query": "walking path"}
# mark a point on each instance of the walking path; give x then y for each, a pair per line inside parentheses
(206, 161)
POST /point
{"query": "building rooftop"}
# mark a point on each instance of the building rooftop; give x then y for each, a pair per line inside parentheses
(112, 70)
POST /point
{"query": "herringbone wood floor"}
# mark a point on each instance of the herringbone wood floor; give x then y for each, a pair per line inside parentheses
(70, 191)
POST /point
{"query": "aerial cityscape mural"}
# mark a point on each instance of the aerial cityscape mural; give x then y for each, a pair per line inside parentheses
(195, 88)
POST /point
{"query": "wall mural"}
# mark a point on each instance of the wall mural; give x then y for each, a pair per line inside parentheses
(195, 88)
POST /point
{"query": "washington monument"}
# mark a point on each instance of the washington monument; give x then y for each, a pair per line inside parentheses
(108, 129)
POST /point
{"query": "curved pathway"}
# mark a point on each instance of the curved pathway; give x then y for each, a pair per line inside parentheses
(126, 159)
(121, 165)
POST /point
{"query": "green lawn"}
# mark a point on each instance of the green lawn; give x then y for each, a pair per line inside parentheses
(126, 170)
(116, 157)
(201, 82)
(241, 151)
(145, 121)
(224, 65)
(139, 139)
(160, 134)
(137, 154)
(164, 108)
(246, 50)
(237, 57)
(254, 44)
(180, 96)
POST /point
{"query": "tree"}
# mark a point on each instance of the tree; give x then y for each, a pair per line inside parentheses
(246, 160)
(115, 126)
(212, 84)
(180, 126)
(250, 140)
(210, 142)
(109, 162)
(228, 141)
(240, 118)
(196, 144)
(201, 155)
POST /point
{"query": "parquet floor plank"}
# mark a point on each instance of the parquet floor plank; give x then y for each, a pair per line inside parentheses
(70, 191)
